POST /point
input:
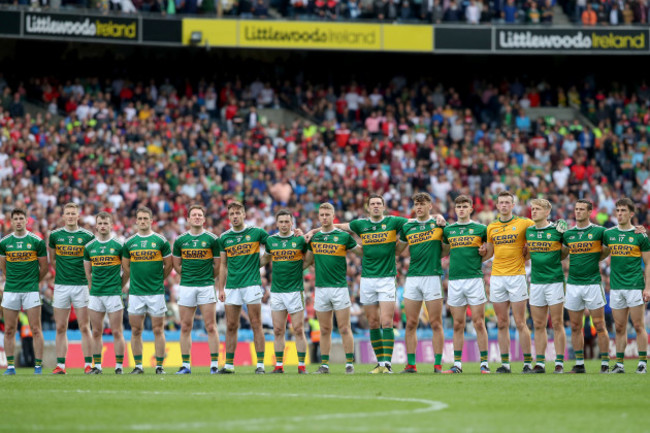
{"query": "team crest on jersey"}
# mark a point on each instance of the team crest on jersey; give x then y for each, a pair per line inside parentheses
(590, 236)
(153, 245)
(248, 238)
(80, 240)
(471, 231)
(631, 239)
(548, 236)
(204, 244)
(112, 250)
(293, 244)
(336, 238)
(432, 225)
(383, 226)
(29, 245)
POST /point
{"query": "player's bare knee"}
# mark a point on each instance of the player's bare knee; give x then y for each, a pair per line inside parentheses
(345, 330)
(411, 324)
(621, 328)
(117, 334)
(186, 327)
(232, 327)
(61, 328)
(327, 330)
(136, 331)
(436, 325)
(638, 326)
(97, 333)
(211, 328)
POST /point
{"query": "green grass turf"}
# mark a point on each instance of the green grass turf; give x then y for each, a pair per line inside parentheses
(339, 403)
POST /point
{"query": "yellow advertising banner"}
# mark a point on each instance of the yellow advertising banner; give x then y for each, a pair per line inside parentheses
(309, 35)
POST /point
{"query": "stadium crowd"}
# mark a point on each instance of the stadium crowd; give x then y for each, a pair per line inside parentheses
(120, 145)
(607, 12)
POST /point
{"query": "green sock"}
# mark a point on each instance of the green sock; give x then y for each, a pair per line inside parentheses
(279, 356)
(484, 356)
(620, 356)
(505, 358)
(260, 356)
(88, 359)
(643, 357)
(325, 359)
(302, 356)
(458, 356)
(411, 358)
(580, 357)
(389, 341)
(137, 359)
(230, 358)
(97, 358)
(604, 358)
(159, 361)
(559, 359)
(437, 359)
(528, 358)
(540, 359)
(10, 361)
(186, 359)
(349, 358)
(214, 357)
(37, 362)
(119, 359)
(377, 344)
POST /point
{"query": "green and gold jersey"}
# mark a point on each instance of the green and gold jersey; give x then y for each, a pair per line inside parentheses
(464, 240)
(147, 268)
(585, 246)
(242, 250)
(626, 266)
(330, 257)
(197, 254)
(545, 248)
(69, 249)
(378, 240)
(106, 261)
(425, 246)
(22, 254)
(287, 254)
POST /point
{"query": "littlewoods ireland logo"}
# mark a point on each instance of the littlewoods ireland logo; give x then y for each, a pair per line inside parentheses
(79, 26)
(254, 33)
(568, 40)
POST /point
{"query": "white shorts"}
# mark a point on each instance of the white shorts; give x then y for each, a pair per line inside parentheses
(542, 295)
(470, 291)
(427, 288)
(375, 290)
(590, 296)
(64, 296)
(620, 299)
(289, 302)
(245, 295)
(504, 288)
(140, 305)
(331, 298)
(106, 304)
(17, 301)
(193, 296)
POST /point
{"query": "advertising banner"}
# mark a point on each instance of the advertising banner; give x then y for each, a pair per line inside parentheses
(81, 26)
(578, 39)
(9, 23)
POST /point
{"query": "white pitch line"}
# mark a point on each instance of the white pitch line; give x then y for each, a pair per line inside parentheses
(289, 423)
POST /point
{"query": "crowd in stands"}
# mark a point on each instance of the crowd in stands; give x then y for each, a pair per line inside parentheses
(114, 145)
(608, 12)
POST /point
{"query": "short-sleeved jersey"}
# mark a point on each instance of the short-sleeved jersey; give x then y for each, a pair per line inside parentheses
(242, 250)
(378, 240)
(545, 248)
(197, 254)
(22, 254)
(106, 261)
(464, 240)
(330, 257)
(585, 246)
(508, 239)
(626, 266)
(287, 255)
(147, 268)
(69, 249)
(425, 245)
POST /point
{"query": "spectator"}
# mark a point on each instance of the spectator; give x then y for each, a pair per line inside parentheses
(615, 15)
(260, 10)
(589, 17)
(510, 12)
(472, 13)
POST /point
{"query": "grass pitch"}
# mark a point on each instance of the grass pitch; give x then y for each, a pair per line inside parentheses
(399, 403)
